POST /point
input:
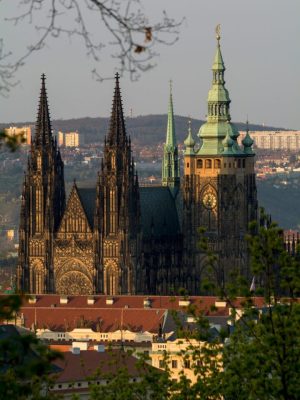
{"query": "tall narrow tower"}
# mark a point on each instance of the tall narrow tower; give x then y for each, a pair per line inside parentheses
(170, 163)
(117, 208)
(219, 185)
(43, 202)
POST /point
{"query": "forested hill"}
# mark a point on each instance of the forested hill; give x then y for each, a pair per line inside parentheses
(144, 129)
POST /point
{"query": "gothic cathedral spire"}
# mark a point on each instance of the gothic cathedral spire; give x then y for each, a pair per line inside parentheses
(43, 202)
(117, 215)
(117, 131)
(170, 163)
(43, 131)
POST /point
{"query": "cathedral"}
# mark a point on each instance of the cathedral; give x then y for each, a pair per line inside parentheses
(120, 237)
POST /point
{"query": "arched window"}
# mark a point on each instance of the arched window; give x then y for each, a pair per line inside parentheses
(200, 163)
(208, 163)
(217, 163)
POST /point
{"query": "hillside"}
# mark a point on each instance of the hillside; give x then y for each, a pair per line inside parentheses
(146, 129)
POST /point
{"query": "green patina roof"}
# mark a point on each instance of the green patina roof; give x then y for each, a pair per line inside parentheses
(171, 136)
(189, 142)
(170, 162)
(218, 124)
(248, 142)
(218, 60)
(158, 212)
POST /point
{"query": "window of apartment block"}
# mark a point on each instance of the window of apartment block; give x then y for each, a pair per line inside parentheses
(161, 363)
(174, 363)
(187, 364)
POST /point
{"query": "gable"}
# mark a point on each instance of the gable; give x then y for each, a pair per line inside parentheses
(75, 219)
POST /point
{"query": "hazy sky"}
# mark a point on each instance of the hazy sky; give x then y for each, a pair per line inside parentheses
(260, 45)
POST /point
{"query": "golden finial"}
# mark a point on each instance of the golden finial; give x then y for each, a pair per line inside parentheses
(218, 32)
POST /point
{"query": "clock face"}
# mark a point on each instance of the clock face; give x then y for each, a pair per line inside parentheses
(209, 200)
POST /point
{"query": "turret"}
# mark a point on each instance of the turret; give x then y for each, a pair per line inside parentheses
(189, 142)
(248, 142)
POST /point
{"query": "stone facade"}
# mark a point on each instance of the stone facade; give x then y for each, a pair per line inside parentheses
(120, 238)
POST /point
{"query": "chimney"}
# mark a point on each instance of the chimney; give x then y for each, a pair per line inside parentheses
(147, 303)
(109, 301)
(100, 348)
(63, 300)
(90, 300)
(184, 302)
(220, 303)
(32, 299)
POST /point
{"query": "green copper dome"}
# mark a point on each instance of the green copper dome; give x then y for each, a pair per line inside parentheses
(248, 142)
(214, 131)
(189, 142)
(228, 143)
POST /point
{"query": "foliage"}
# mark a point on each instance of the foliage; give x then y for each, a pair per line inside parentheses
(11, 141)
(25, 363)
(262, 357)
(129, 32)
(122, 384)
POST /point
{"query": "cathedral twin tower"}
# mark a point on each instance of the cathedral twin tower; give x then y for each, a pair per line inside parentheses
(123, 238)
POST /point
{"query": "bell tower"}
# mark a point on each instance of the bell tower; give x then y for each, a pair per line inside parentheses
(219, 185)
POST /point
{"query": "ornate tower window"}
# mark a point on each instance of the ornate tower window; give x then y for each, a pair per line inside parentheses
(208, 163)
(200, 163)
(217, 163)
(39, 162)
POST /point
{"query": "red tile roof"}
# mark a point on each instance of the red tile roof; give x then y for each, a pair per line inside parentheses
(126, 312)
(80, 367)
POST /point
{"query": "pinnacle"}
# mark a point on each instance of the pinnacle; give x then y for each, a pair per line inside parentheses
(43, 133)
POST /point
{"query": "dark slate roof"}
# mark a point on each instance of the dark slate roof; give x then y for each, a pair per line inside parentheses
(158, 206)
(88, 200)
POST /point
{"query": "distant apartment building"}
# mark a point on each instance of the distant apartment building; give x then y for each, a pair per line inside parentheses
(275, 140)
(60, 138)
(25, 131)
(68, 139)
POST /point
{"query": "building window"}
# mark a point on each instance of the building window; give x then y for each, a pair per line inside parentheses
(174, 364)
(217, 163)
(208, 163)
(188, 165)
(161, 363)
(187, 364)
(244, 163)
(199, 163)
(239, 163)
(229, 165)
